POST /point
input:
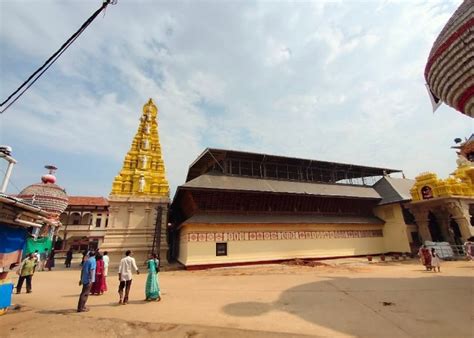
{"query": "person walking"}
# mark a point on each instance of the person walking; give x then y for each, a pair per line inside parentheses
(152, 288)
(87, 278)
(68, 260)
(106, 263)
(435, 260)
(469, 249)
(425, 257)
(99, 286)
(85, 255)
(37, 256)
(26, 271)
(43, 259)
(50, 261)
(125, 276)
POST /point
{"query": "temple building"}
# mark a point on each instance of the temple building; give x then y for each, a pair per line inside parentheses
(444, 208)
(138, 203)
(240, 208)
(84, 223)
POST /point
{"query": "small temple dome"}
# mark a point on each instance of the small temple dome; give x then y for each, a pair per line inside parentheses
(47, 195)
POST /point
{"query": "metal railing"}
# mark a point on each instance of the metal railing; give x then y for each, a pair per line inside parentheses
(449, 251)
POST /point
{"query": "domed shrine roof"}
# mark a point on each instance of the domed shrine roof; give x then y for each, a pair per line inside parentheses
(449, 71)
(47, 195)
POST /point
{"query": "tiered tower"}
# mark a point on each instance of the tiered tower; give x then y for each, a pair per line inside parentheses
(140, 196)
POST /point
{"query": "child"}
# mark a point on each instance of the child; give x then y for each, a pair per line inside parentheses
(435, 260)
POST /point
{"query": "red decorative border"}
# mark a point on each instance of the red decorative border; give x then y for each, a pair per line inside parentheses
(279, 235)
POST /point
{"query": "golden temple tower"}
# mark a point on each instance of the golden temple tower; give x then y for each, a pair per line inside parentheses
(143, 171)
(140, 196)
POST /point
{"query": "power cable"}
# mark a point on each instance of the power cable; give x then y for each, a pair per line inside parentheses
(48, 63)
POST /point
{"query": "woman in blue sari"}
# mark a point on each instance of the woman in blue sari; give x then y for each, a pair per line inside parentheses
(152, 289)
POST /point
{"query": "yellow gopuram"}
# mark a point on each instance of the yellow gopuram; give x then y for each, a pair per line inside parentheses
(139, 198)
(143, 171)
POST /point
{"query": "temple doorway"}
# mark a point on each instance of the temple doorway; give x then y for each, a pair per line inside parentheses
(434, 227)
(455, 231)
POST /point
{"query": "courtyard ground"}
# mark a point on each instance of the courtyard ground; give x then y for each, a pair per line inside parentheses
(345, 298)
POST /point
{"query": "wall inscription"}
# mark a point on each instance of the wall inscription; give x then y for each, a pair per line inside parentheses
(279, 235)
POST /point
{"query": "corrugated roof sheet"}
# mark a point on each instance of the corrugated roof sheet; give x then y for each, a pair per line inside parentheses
(283, 219)
(88, 201)
(393, 189)
(222, 182)
(210, 155)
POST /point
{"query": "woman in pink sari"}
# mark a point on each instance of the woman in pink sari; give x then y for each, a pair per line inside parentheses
(99, 285)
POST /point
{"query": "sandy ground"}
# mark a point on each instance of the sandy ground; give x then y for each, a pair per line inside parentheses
(347, 298)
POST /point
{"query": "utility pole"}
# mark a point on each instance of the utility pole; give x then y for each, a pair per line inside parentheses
(5, 152)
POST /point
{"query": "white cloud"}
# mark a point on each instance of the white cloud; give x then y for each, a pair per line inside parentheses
(324, 80)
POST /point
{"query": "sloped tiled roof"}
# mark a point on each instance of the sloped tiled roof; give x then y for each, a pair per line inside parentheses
(394, 190)
(88, 201)
(224, 182)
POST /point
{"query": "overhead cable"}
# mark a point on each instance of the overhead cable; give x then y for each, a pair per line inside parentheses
(48, 63)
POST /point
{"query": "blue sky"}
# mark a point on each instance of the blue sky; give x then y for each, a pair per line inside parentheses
(338, 81)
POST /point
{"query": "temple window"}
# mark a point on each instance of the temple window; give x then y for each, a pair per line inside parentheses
(87, 218)
(221, 249)
(75, 218)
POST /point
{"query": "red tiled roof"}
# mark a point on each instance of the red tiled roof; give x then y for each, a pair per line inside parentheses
(88, 201)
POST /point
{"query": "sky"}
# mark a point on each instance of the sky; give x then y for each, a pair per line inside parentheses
(336, 81)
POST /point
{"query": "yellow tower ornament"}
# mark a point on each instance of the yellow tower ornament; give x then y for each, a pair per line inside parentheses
(143, 170)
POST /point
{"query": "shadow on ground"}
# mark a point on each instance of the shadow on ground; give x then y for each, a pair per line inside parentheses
(424, 306)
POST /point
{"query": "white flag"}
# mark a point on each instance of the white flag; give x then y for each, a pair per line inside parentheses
(435, 102)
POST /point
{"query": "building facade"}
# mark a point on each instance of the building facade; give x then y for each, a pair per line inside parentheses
(239, 208)
(84, 223)
(400, 232)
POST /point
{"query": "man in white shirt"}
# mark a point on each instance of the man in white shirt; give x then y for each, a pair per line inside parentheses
(125, 275)
(106, 260)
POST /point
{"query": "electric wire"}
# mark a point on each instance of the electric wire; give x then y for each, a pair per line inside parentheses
(48, 63)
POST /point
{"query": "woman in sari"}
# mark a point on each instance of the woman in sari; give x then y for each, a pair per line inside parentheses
(99, 286)
(50, 260)
(425, 256)
(152, 289)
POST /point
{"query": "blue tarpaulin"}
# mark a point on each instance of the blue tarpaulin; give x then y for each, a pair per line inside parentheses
(5, 295)
(12, 241)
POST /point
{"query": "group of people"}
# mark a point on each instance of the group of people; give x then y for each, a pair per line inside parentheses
(45, 259)
(429, 258)
(95, 270)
